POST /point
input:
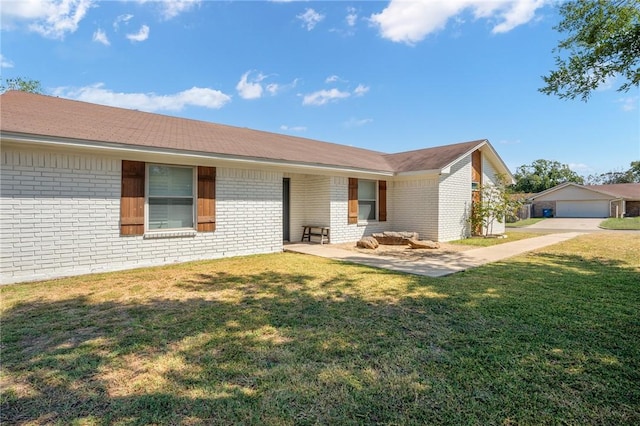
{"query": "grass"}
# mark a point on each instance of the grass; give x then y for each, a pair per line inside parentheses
(524, 222)
(627, 223)
(552, 337)
(486, 242)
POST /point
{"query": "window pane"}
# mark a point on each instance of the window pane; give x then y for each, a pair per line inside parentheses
(366, 190)
(168, 213)
(366, 210)
(170, 181)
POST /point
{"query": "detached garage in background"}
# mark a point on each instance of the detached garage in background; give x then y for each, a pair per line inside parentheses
(573, 200)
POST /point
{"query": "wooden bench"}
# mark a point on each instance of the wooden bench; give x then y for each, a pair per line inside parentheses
(316, 231)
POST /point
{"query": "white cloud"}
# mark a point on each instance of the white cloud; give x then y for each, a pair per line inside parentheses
(101, 37)
(173, 8)
(196, 96)
(332, 79)
(352, 16)
(579, 167)
(310, 18)
(355, 122)
(49, 18)
(629, 103)
(250, 89)
(4, 62)
(141, 35)
(361, 90)
(273, 88)
(293, 128)
(411, 21)
(323, 97)
(121, 19)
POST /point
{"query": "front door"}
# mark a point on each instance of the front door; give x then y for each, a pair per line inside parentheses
(286, 183)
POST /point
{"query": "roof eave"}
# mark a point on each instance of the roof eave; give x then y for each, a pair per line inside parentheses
(108, 147)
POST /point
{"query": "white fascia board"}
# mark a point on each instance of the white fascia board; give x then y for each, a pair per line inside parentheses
(433, 172)
(176, 156)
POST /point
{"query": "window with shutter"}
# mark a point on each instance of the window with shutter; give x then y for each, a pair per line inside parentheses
(176, 198)
(367, 200)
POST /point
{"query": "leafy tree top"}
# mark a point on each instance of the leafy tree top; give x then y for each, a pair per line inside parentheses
(542, 175)
(603, 43)
(22, 84)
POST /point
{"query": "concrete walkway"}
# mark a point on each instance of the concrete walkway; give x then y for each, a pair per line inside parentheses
(439, 266)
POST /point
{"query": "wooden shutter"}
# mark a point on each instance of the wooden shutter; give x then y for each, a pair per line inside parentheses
(353, 201)
(206, 199)
(382, 200)
(476, 166)
(132, 198)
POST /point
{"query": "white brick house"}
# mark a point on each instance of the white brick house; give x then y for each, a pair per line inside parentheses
(87, 188)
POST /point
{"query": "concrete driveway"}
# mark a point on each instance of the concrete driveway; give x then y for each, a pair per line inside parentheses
(557, 224)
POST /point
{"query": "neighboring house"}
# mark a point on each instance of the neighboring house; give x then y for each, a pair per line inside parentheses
(573, 200)
(89, 188)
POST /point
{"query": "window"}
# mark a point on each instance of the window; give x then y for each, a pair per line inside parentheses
(170, 197)
(367, 200)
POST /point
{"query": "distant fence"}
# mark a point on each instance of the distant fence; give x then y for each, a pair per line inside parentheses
(523, 212)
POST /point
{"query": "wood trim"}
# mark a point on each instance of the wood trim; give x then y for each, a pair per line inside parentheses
(132, 198)
(476, 166)
(206, 199)
(353, 201)
(382, 200)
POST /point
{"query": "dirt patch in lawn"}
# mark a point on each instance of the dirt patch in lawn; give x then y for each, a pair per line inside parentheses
(406, 252)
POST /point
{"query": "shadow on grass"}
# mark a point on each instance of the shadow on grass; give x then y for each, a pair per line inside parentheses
(550, 341)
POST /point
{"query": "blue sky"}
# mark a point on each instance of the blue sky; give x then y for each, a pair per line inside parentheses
(383, 75)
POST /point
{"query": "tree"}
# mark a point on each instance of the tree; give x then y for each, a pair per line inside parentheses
(629, 176)
(542, 175)
(19, 83)
(603, 42)
(495, 203)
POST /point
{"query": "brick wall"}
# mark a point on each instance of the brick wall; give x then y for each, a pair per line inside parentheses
(60, 216)
(538, 206)
(455, 202)
(415, 207)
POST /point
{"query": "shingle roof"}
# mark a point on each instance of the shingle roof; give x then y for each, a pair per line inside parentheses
(430, 158)
(47, 116)
(629, 191)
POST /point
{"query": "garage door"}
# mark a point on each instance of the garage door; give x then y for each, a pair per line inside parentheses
(582, 209)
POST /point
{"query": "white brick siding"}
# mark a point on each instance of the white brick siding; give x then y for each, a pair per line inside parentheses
(415, 207)
(309, 202)
(60, 216)
(454, 204)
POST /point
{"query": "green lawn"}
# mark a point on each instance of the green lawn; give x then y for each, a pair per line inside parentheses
(627, 223)
(551, 337)
(480, 241)
(524, 222)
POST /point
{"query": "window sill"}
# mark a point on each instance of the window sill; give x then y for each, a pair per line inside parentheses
(366, 222)
(149, 235)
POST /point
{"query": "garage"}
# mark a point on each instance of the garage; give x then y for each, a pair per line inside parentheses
(582, 208)
(589, 201)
